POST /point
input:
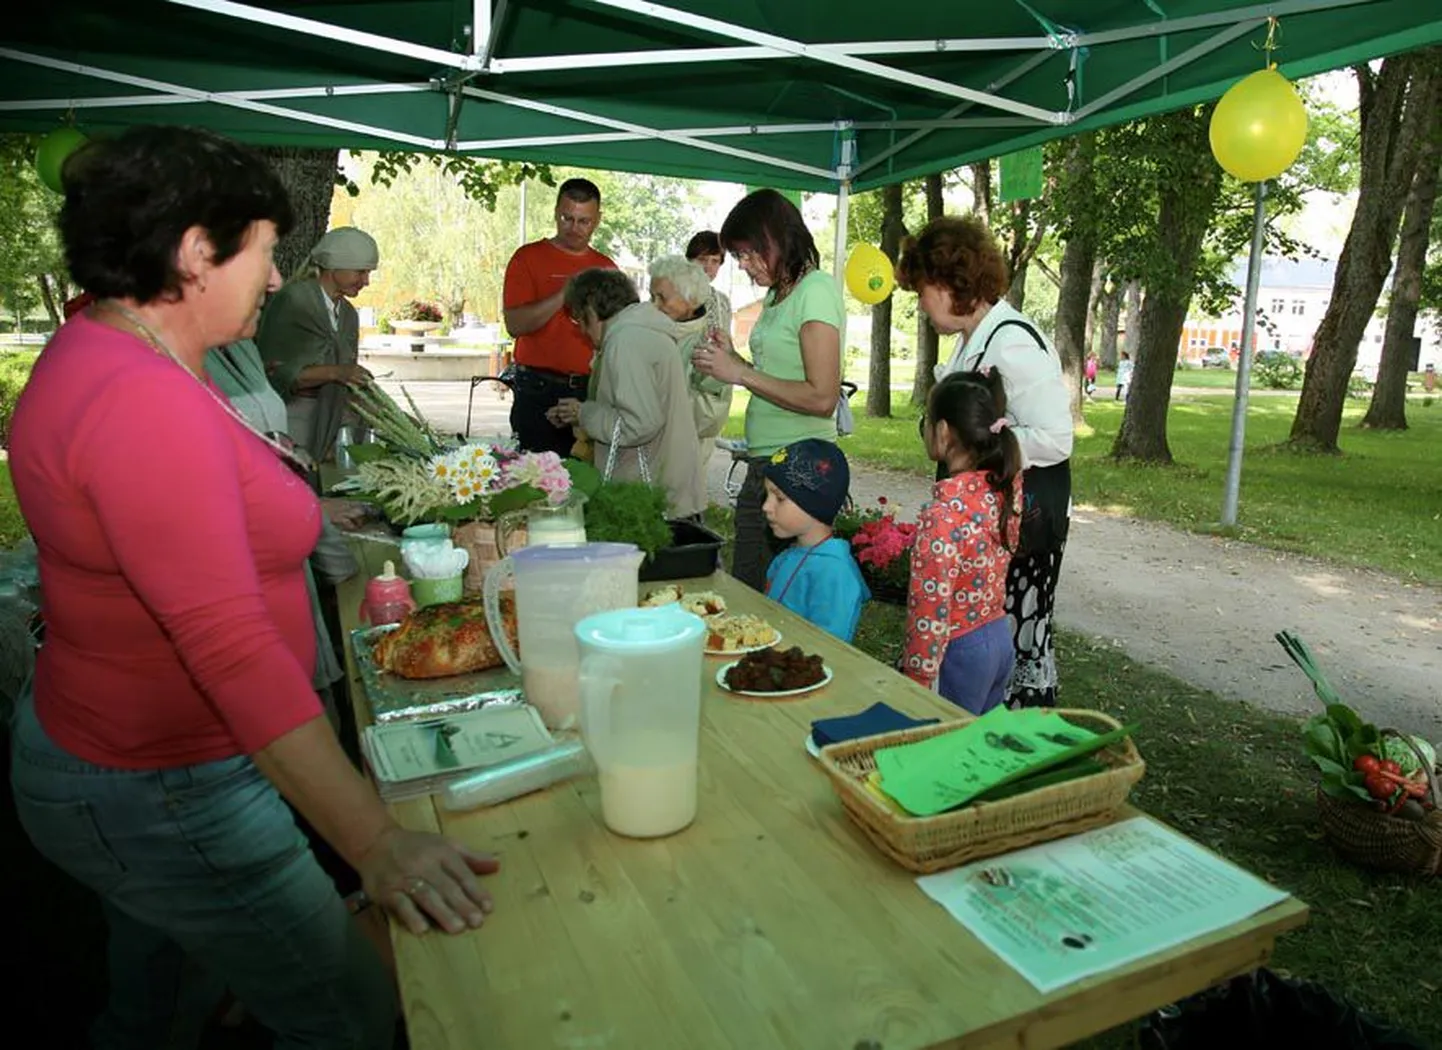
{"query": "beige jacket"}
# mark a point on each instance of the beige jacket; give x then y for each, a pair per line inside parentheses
(710, 398)
(641, 399)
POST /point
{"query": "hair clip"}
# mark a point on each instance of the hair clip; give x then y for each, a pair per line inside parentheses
(999, 425)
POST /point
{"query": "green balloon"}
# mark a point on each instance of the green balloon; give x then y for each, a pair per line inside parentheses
(51, 154)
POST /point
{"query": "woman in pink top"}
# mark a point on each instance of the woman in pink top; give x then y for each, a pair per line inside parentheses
(172, 704)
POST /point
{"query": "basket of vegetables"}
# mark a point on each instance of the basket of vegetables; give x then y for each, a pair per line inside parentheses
(1379, 797)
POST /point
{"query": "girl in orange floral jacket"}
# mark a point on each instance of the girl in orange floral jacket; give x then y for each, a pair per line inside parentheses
(957, 639)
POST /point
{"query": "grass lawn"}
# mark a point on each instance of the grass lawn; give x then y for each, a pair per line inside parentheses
(1378, 505)
(1234, 779)
(12, 525)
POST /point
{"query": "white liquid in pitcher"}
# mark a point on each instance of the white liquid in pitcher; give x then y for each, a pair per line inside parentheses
(555, 692)
(554, 531)
(650, 796)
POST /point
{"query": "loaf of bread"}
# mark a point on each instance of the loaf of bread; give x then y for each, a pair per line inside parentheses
(442, 640)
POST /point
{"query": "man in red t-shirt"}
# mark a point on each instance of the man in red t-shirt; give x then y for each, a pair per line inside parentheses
(553, 355)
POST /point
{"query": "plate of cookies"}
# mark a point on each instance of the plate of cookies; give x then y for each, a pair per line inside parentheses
(739, 634)
(774, 674)
(704, 604)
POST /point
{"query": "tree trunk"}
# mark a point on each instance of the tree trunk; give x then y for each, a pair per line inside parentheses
(981, 189)
(927, 342)
(878, 391)
(1078, 260)
(1388, 410)
(1187, 205)
(1132, 331)
(309, 176)
(1109, 317)
(48, 296)
(1098, 288)
(1396, 110)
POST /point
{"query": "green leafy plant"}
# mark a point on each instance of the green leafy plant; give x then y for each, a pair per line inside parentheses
(1276, 371)
(629, 512)
(14, 374)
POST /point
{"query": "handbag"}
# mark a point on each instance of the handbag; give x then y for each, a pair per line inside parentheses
(611, 456)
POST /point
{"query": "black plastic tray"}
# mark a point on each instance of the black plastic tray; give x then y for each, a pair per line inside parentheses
(694, 551)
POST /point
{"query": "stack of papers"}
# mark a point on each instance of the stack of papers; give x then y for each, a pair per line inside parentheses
(1002, 753)
(410, 759)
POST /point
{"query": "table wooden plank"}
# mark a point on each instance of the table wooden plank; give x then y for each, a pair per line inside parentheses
(771, 921)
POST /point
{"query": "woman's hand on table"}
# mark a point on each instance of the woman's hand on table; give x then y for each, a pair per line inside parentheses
(718, 359)
(428, 880)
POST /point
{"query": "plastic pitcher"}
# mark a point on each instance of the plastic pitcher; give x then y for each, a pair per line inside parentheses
(641, 715)
(555, 588)
(542, 523)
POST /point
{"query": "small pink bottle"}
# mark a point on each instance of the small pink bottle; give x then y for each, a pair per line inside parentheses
(388, 598)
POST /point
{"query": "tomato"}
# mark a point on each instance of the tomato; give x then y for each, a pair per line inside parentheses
(1366, 764)
(1378, 787)
(1388, 766)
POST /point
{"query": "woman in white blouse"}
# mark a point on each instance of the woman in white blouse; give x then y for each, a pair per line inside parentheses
(959, 274)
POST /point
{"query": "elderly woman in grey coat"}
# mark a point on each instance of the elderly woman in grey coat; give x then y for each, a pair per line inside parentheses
(681, 290)
(638, 407)
(310, 338)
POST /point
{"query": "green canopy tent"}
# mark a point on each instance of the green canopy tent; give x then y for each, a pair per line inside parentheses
(811, 96)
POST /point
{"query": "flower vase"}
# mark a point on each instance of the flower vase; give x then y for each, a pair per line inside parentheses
(478, 537)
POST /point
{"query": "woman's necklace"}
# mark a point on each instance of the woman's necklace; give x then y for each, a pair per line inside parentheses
(149, 336)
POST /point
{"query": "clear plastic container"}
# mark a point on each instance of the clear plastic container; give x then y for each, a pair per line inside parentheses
(519, 776)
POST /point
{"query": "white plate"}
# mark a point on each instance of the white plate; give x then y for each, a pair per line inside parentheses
(721, 681)
(811, 746)
(748, 649)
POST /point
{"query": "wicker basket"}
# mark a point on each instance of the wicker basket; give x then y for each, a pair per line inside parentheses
(983, 829)
(1373, 839)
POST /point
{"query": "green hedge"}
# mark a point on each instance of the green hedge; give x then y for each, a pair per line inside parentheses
(14, 374)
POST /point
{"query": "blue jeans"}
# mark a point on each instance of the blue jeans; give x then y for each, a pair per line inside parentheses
(207, 883)
(976, 666)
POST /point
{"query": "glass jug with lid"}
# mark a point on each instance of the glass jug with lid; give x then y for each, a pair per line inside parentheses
(555, 588)
(543, 523)
(641, 715)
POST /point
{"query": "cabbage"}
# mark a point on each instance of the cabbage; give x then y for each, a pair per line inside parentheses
(1398, 751)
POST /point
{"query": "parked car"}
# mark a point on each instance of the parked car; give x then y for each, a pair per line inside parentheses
(1216, 357)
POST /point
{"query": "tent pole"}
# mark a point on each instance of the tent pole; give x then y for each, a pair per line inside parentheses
(522, 228)
(1244, 361)
(843, 205)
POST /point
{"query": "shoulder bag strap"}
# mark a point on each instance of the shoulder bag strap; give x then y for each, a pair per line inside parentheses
(1019, 324)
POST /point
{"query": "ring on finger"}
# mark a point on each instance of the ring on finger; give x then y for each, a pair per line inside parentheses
(415, 886)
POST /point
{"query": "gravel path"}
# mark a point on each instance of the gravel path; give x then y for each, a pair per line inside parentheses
(1202, 608)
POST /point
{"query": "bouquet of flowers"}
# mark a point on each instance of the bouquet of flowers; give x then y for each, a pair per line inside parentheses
(420, 310)
(416, 476)
(882, 546)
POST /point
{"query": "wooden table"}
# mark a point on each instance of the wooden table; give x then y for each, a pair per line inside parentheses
(770, 922)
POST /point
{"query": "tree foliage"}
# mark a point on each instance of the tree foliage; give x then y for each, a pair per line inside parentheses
(644, 216)
(481, 180)
(32, 264)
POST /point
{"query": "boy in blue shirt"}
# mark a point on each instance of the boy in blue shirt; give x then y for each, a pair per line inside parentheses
(806, 486)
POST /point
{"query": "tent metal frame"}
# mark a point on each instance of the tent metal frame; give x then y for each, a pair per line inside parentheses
(459, 71)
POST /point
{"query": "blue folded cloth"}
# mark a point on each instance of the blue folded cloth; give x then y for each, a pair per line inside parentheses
(878, 718)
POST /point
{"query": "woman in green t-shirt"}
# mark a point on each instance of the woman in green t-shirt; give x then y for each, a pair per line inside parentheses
(794, 375)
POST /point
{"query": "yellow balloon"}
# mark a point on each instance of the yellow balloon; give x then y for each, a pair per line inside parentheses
(869, 274)
(1258, 127)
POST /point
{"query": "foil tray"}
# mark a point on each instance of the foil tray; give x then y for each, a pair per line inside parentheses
(395, 699)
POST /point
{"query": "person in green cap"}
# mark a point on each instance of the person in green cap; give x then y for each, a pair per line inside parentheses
(310, 338)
